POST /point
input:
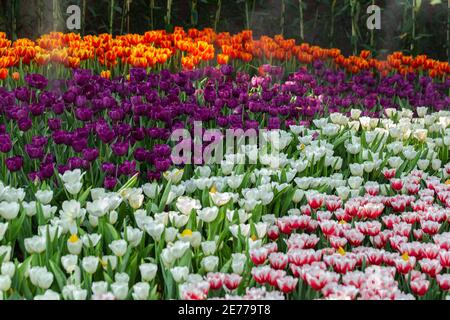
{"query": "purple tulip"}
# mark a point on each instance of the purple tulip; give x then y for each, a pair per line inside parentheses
(14, 163)
(36, 80)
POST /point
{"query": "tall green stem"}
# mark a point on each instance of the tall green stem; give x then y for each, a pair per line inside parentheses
(372, 34)
(333, 9)
(169, 13)
(247, 15)
(216, 20)
(13, 20)
(194, 14)
(300, 9)
(353, 4)
(282, 18)
(413, 31)
(111, 17)
(448, 31)
(83, 21)
(152, 7)
(55, 15)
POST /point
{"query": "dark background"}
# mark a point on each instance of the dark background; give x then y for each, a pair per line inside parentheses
(424, 32)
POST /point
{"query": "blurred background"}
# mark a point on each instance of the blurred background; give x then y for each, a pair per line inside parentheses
(412, 26)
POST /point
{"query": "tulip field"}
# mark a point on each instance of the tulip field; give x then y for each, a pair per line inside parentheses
(348, 197)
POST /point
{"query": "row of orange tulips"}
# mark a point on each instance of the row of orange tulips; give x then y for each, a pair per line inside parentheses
(191, 48)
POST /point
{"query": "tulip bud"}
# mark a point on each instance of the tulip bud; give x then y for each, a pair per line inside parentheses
(120, 290)
(74, 244)
(99, 288)
(209, 247)
(5, 283)
(90, 264)
(179, 274)
(148, 271)
(118, 247)
(238, 261)
(113, 216)
(8, 269)
(210, 263)
(141, 291)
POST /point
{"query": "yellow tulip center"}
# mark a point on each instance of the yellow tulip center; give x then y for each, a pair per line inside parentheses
(405, 256)
(341, 251)
(73, 238)
(186, 233)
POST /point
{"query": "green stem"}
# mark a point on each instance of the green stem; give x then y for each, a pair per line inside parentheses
(448, 31)
(219, 8)
(111, 17)
(194, 14)
(83, 27)
(169, 13)
(333, 8)
(302, 31)
(152, 7)
(282, 18)
(413, 31)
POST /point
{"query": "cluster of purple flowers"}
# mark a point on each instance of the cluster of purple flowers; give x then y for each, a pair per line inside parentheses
(119, 127)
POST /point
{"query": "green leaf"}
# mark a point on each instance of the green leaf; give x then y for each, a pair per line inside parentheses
(59, 274)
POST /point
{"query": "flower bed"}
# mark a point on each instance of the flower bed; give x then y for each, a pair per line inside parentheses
(348, 207)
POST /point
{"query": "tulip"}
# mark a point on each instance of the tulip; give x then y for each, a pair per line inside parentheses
(3, 228)
(210, 263)
(179, 274)
(118, 247)
(141, 291)
(148, 271)
(40, 277)
(44, 196)
(90, 264)
(120, 290)
(9, 210)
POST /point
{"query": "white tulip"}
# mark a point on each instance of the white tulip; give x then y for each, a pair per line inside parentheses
(5, 283)
(90, 264)
(209, 247)
(109, 260)
(179, 248)
(35, 244)
(6, 251)
(210, 263)
(9, 210)
(49, 295)
(3, 228)
(238, 261)
(151, 190)
(141, 291)
(179, 274)
(91, 239)
(30, 208)
(118, 247)
(208, 214)
(170, 234)
(99, 288)
(69, 262)
(148, 271)
(98, 208)
(8, 269)
(134, 236)
(155, 230)
(40, 277)
(44, 196)
(120, 290)
(122, 277)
